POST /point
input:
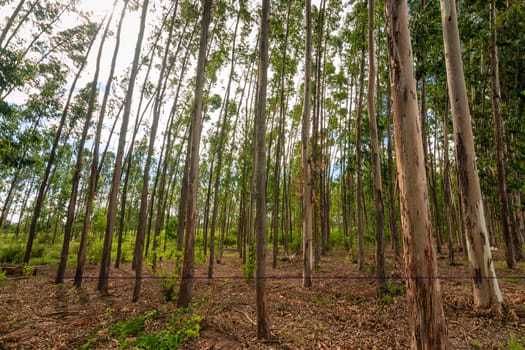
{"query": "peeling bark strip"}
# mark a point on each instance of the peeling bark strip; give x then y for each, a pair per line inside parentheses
(485, 285)
(427, 320)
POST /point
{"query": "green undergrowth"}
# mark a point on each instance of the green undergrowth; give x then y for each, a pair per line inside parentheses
(136, 332)
(515, 343)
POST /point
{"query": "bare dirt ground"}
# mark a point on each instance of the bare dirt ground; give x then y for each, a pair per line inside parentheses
(341, 311)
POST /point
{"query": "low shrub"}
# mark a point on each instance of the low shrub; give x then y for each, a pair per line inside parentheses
(12, 254)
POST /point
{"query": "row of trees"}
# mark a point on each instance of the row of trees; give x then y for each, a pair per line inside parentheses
(210, 151)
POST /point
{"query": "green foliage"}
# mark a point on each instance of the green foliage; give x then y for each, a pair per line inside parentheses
(179, 328)
(2, 274)
(249, 267)
(199, 257)
(12, 253)
(168, 284)
(94, 251)
(295, 245)
(230, 241)
(515, 344)
(28, 270)
(126, 328)
(176, 332)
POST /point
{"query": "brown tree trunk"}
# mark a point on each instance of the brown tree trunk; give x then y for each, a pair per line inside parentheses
(263, 326)
(499, 146)
(305, 156)
(50, 162)
(428, 328)
(447, 190)
(359, 173)
(485, 284)
(280, 143)
(392, 182)
(102, 285)
(77, 169)
(186, 284)
(376, 162)
(144, 202)
(93, 177)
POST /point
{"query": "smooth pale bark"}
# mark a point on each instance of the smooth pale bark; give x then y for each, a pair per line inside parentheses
(426, 319)
(263, 324)
(305, 155)
(376, 163)
(111, 218)
(485, 284)
(186, 284)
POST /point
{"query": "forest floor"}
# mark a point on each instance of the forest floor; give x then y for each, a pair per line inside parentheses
(339, 312)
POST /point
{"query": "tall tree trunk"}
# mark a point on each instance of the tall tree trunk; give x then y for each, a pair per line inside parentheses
(263, 326)
(315, 154)
(359, 189)
(50, 162)
(221, 127)
(428, 328)
(186, 284)
(305, 155)
(485, 284)
(143, 209)
(392, 180)
(447, 190)
(77, 170)
(103, 278)
(280, 142)
(376, 162)
(93, 177)
(499, 146)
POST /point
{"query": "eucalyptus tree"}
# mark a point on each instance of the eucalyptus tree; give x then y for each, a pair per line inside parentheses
(485, 284)
(280, 138)
(376, 162)
(447, 187)
(506, 221)
(316, 153)
(159, 95)
(94, 171)
(186, 284)
(80, 153)
(174, 124)
(92, 32)
(426, 319)
(358, 144)
(263, 326)
(306, 161)
(102, 285)
(223, 135)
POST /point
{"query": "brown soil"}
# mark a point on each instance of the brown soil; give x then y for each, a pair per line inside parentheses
(341, 311)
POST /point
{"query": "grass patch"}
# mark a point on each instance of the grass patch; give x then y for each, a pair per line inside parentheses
(179, 328)
(515, 344)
